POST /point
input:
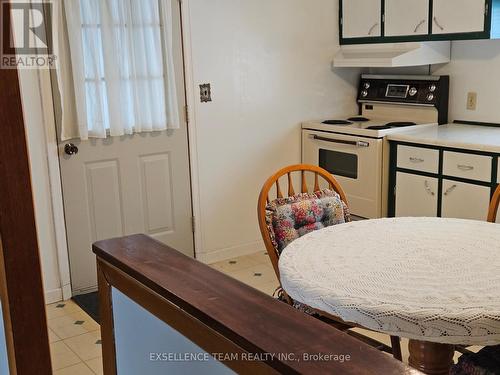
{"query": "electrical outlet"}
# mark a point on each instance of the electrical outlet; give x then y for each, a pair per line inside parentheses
(472, 101)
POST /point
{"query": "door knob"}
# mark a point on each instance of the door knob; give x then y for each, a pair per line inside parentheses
(70, 149)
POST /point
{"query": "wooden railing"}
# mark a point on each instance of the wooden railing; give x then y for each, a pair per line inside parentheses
(251, 332)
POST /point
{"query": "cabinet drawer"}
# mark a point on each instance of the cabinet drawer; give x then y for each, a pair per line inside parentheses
(473, 167)
(418, 159)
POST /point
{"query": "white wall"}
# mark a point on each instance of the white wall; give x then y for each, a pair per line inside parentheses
(475, 66)
(269, 63)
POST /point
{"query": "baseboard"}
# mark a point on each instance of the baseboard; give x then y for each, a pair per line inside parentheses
(53, 296)
(230, 252)
(66, 292)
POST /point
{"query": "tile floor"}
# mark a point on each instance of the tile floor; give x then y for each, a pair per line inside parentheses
(75, 337)
(74, 340)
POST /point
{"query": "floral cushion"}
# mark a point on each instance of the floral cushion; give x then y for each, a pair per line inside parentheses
(292, 217)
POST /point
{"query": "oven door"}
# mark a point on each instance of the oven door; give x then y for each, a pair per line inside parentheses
(356, 163)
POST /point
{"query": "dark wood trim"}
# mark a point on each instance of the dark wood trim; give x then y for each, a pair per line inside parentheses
(221, 314)
(193, 329)
(22, 274)
(106, 322)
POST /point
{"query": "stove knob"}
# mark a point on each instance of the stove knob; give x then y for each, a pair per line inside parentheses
(432, 88)
(430, 97)
(366, 85)
(364, 93)
(413, 91)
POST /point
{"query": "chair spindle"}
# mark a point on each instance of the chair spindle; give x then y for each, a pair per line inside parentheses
(279, 194)
(291, 191)
(316, 182)
(304, 183)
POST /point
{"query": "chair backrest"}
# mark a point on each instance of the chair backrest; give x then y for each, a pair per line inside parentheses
(492, 213)
(273, 181)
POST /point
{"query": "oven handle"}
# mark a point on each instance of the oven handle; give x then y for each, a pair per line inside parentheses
(342, 141)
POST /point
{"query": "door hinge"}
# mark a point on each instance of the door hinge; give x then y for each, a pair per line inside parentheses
(193, 224)
(186, 113)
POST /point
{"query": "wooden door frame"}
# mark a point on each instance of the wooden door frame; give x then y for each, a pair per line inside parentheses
(20, 272)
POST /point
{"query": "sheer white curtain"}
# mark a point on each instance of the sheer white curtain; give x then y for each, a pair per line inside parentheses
(122, 70)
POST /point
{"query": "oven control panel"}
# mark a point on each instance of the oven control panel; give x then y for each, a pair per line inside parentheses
(422, 90)
(431, 91)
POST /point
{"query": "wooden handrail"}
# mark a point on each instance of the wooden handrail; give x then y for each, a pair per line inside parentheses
(221, 314)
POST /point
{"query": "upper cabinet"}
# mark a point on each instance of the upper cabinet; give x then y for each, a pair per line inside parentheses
(361, 18)
(459, 16)
(388, 21)
(406, 17)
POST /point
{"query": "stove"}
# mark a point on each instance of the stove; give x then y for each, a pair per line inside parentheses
(354, 147)
(376, 128)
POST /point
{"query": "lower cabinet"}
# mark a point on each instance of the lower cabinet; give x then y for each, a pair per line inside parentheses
(416, 195)
(466, 201)
(447, 182)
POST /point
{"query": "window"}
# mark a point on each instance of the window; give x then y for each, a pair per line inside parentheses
(120, 53)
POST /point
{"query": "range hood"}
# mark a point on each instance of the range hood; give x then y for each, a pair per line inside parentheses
(393, 54)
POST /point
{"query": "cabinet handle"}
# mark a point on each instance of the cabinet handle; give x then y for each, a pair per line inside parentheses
(450, 189)
(416, 160)
(428, 188)
(465, 167)
(372, 28)
(418, 26)
(437, 24)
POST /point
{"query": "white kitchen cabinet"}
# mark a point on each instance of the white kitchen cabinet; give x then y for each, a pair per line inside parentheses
(465, 201)
(458, 16)
(406, 17)
(416, 195)
(361, 18)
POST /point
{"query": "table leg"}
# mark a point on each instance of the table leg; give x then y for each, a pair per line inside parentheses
(431, 358)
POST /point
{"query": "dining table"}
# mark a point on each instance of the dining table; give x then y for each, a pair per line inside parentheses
(435, 281)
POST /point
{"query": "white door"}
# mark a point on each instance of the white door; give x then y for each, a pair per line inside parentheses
(416, 195)
(361, 18)
(458, 16)
(465, 201)
(124, 185)
(406, 17)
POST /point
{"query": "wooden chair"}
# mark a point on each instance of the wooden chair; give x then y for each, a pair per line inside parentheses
(492, 218)
(495, 201)
(264, 200)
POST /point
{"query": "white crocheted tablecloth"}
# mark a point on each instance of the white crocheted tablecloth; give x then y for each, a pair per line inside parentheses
(428, 279)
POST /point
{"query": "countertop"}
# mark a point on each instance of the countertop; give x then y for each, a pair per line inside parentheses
(471, 137)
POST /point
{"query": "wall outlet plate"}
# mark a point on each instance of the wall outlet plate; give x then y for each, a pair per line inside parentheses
(472, 101)
(205, 93)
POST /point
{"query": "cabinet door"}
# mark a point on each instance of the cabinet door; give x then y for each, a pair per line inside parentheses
(406, 17)
(416, 195)
(465, 201)
(458, 16)
(361, 18)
